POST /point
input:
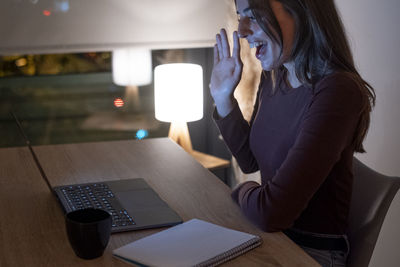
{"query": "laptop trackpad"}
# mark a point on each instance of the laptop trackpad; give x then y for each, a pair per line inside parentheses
(140, 199)
(146, 207)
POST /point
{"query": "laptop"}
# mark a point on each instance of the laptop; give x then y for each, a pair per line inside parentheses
(132, 203)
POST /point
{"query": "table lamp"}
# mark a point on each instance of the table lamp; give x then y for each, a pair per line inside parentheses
(131, 67)
(178, 97)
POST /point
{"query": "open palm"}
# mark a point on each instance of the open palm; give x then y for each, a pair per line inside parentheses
(227, 70)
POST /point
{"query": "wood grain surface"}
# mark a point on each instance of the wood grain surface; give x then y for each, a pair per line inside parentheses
(39, 238)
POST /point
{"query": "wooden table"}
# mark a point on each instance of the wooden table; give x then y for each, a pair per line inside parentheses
(31, 224)
(39, 238)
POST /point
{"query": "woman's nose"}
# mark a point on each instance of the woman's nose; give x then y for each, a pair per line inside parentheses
(244, 28)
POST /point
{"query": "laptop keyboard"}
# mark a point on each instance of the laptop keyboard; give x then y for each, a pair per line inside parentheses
(97, 195)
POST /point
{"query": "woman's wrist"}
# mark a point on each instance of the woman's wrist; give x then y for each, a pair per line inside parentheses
(224, 106)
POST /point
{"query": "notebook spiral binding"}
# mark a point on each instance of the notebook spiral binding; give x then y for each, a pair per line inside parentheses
(233, 253)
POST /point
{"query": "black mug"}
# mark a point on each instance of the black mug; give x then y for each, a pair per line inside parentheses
(88, 231)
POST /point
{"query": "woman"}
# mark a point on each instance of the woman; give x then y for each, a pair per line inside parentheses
(311, 114)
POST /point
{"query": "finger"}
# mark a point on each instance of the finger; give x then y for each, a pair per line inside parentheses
(219, 46)
(236, 55)
(225, 44)
(216, 56)
(236, 46)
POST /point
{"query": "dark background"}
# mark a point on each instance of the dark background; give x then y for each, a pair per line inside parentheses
(54, 108)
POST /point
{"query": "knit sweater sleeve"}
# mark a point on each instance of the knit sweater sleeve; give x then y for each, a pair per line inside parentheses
(235, 131)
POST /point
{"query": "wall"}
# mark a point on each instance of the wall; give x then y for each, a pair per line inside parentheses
(373, 29)
(60, 26)
(386, 252)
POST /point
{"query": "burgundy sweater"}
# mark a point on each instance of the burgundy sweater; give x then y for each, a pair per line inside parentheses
(301, 140)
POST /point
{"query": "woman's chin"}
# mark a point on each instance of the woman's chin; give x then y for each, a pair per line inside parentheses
(267, 67)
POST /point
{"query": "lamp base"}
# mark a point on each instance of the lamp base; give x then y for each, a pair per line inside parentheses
(179, 132)
(132, 98)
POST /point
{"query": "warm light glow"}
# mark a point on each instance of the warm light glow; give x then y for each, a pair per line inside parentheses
(21, 62)
(118, 102)
(46, 12)
(178, 92)
(131, 66)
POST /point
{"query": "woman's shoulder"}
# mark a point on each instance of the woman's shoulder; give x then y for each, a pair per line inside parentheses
(339, 83)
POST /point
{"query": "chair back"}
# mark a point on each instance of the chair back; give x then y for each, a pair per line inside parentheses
(372, 195)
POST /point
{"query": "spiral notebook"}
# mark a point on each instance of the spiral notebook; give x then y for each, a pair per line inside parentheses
(193, 243)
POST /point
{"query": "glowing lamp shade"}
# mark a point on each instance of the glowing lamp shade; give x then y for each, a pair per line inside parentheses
(178, 92)
(131, 66)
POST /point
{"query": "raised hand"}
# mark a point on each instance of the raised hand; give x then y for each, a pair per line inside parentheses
(226, 73)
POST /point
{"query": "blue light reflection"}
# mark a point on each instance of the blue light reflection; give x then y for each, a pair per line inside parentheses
(141, 134)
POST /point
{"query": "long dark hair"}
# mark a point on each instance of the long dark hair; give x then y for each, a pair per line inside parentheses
(320, 48)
